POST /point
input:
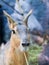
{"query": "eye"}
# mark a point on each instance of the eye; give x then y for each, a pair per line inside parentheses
(13, 31)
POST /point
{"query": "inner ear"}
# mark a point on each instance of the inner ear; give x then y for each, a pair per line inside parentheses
(11, 22)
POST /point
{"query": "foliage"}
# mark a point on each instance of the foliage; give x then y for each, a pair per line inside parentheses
(34, 51)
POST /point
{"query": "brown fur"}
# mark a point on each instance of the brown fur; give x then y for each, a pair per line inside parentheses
(14, 55)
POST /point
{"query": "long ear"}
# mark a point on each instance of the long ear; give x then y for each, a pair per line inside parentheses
(11, 22)
(25, 20)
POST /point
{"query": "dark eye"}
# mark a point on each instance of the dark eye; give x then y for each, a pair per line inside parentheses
(13, 31)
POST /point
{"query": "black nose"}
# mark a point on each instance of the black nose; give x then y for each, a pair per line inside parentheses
(25, 44)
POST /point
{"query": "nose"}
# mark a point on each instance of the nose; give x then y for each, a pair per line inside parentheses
(25, 44)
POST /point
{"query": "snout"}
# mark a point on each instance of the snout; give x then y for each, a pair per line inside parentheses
(25, 44)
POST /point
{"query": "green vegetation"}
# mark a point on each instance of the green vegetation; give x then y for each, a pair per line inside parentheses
(34, 51)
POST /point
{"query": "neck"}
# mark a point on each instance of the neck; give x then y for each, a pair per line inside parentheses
(14, 41)
(13, 54)
(16, 55)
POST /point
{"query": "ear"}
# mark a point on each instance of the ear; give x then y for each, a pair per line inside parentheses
(25, 20)
(11, 22)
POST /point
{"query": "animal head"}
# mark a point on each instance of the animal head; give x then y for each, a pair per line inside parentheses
(20, 30)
